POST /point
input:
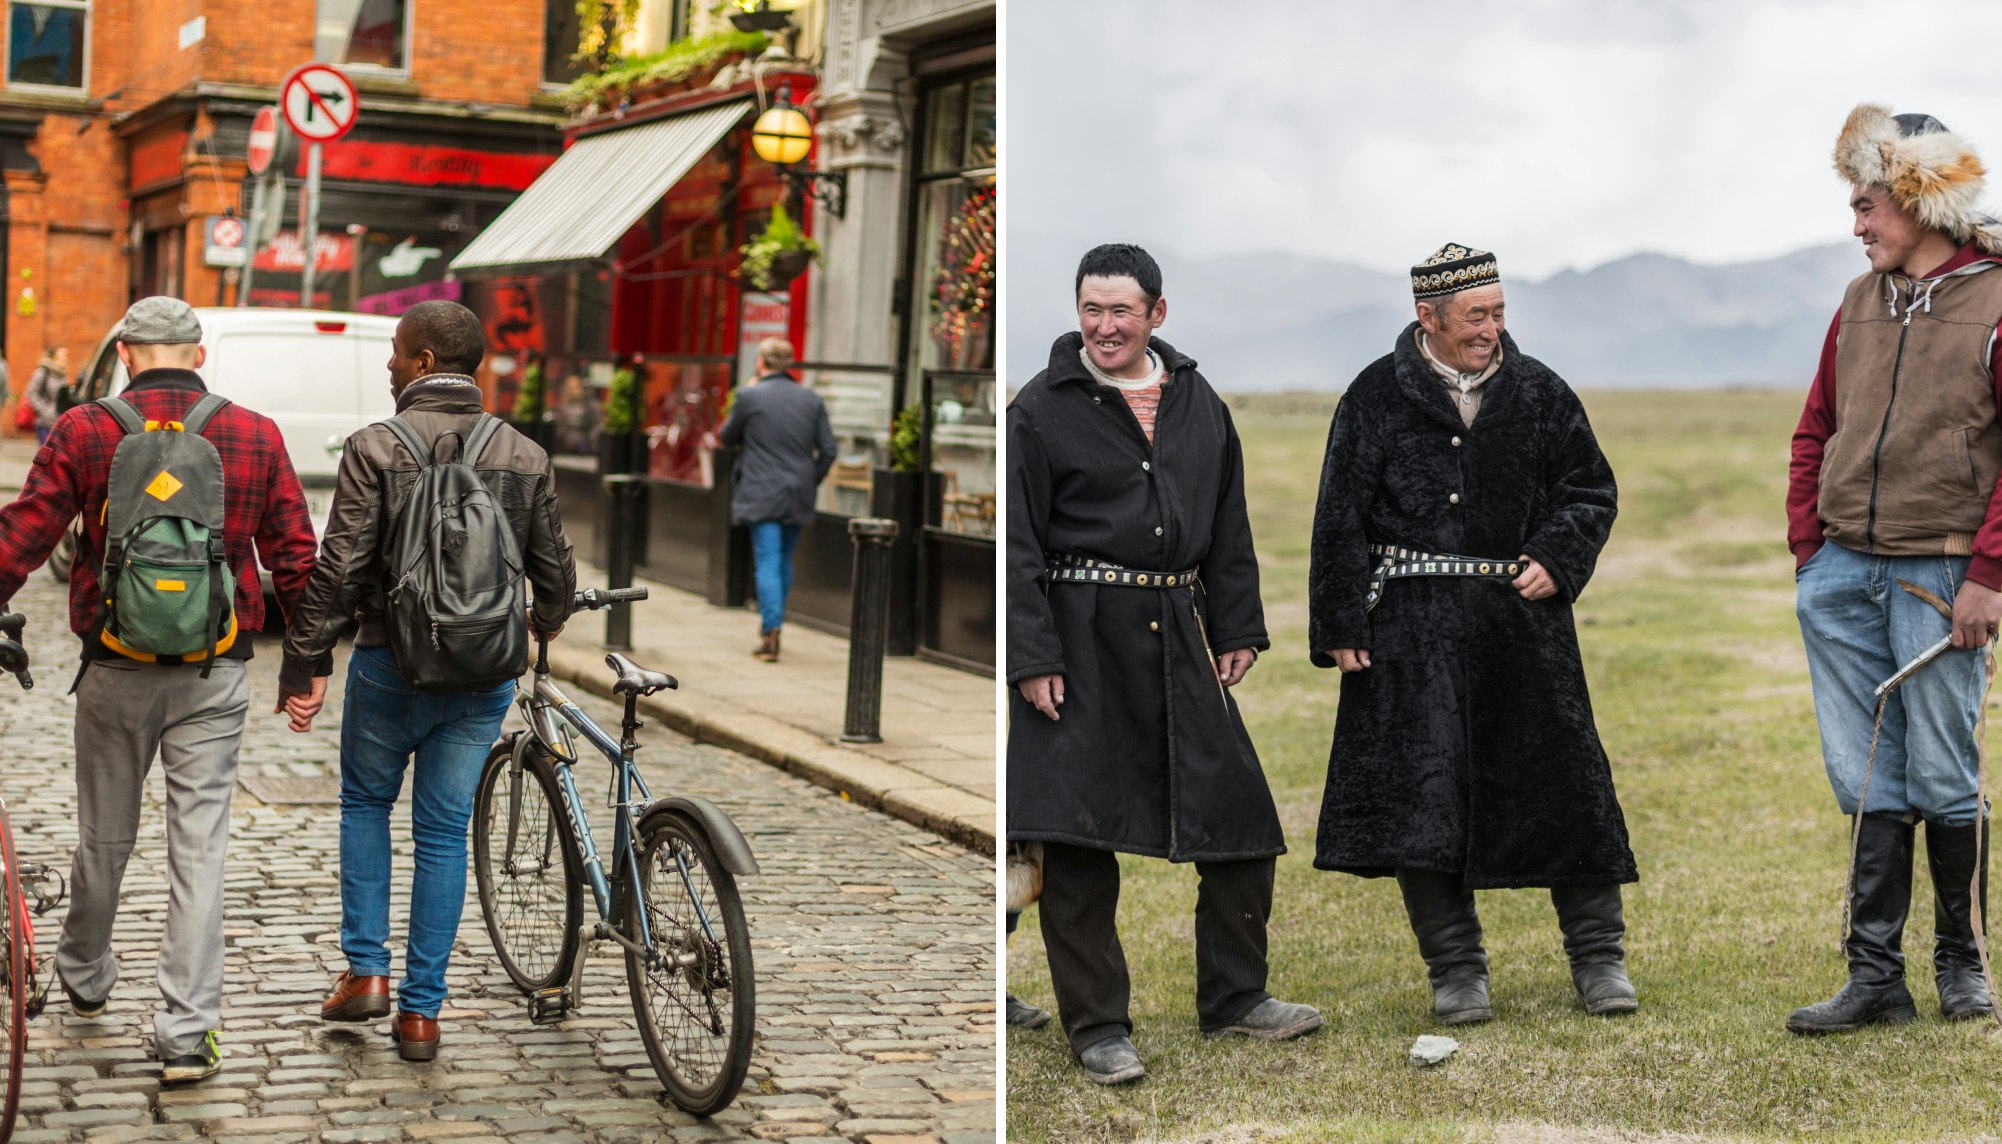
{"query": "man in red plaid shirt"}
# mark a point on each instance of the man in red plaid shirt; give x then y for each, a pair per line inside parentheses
(127, 709)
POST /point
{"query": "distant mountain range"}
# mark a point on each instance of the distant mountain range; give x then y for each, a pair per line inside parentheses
(1265, 322)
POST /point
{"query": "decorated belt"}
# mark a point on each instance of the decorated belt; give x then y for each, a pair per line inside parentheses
(1065, 568)
(1395, 563)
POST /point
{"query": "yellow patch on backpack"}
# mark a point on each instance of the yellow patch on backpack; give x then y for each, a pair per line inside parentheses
(164, 486)
(170, 585)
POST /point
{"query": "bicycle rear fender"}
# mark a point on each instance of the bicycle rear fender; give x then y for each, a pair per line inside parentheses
(731, 847)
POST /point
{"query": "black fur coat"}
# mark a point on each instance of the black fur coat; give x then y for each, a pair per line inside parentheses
(1469, 746)
(1150, 756)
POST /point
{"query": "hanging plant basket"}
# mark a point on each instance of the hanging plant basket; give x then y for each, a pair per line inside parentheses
(786, 266)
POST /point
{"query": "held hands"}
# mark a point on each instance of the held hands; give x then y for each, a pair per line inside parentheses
(1044, 692)
(1231, 665)
(1976, 613)
(1535, 582)
(302, 708)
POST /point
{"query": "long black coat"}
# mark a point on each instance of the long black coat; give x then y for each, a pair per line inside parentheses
(1468, 747)
(1149, 756)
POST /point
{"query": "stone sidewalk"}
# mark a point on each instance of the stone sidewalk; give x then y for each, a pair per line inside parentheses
(873, 942)
(935, 766)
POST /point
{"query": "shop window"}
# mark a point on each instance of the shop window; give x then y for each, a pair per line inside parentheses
(561, 29)
(953, 327)
(368, 33)
(48, 43)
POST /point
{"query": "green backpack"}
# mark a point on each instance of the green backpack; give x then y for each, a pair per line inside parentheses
(167, 589)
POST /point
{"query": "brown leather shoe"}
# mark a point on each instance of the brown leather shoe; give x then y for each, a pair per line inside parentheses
(356, 999)
(416, 1037)
(768, 646)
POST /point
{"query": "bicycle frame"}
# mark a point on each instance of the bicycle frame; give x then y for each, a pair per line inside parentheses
(541, 709)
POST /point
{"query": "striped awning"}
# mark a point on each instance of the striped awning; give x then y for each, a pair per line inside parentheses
(597, 190)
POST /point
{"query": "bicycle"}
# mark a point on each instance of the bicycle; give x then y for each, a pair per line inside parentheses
(25, 894)
(670, 900)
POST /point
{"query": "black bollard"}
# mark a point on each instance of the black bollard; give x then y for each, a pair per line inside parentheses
(868, 627)
(624, 491)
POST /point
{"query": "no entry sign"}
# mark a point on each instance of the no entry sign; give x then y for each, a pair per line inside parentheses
(319, 103)
(263, 139)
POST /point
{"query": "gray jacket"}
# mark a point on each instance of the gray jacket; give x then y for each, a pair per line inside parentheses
(788, 446)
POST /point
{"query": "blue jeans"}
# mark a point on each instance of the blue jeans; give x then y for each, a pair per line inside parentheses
(771, 549)
(383, 723)
(1860, 627)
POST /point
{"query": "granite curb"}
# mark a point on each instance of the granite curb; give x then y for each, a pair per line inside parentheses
(950, 813)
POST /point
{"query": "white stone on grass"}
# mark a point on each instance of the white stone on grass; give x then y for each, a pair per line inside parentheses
(1430, 1050)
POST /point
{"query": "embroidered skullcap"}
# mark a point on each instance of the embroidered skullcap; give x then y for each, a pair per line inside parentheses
(1453, 268)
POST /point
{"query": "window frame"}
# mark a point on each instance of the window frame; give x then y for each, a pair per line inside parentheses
(409, 44)
(82, 91)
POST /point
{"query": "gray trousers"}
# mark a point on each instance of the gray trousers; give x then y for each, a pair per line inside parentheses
(127, 712)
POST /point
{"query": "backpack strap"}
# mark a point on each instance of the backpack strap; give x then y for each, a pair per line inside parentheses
(197, 417)
(483, 432)
(122, 412)
(408, 436)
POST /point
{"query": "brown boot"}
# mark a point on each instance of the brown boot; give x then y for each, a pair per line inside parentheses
(768, 646)
(416, 1037)
(774, 657)
(356, 999)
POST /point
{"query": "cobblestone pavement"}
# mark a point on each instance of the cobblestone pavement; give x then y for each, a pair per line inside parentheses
(873, 942)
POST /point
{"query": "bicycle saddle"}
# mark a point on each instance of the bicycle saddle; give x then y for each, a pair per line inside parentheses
(634, 678)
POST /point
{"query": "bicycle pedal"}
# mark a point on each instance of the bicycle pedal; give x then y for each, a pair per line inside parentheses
(548, 1006)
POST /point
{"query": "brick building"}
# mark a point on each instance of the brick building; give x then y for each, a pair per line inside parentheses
(123, 127)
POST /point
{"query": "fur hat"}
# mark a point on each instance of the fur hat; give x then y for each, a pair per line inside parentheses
(1928, 170)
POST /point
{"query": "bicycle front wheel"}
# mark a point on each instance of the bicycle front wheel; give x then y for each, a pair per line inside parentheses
(693, 989)
(526, 867)
(14, 956)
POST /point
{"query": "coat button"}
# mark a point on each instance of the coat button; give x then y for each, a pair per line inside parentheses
(1147, 466)
(1456, 442)
(1157, 530)
(1153, 625)
(1098, 401)
(1454, 499)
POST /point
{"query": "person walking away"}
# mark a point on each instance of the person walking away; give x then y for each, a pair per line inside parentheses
(393, 711)
(189, 709)
(50, 376)
(787, 447)
(1894, 483)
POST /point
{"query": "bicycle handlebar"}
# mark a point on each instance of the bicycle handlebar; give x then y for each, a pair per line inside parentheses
(595, 599)
(14, 657)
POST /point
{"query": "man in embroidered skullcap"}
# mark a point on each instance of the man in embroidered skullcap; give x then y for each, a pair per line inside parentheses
(1893, 483)
(1133, 608)
(1463, 505)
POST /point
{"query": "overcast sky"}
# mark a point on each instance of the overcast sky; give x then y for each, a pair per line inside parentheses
(1555, 133)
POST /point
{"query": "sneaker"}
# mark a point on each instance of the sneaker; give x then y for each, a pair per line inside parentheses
(1273, 1020)
(199, 1063)
(1112, 1061)
(82, 1008)
(1022, 1015)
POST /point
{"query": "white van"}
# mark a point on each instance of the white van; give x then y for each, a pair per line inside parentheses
(319, 374)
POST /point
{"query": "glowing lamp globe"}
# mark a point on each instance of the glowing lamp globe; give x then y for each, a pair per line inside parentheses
(782, 135)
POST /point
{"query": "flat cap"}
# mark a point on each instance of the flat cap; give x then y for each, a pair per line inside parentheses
(159, 320)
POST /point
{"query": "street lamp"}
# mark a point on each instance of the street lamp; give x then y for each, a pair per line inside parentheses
(783, 136)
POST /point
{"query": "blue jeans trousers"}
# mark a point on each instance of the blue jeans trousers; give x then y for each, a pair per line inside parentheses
(771, 550)
(383, 724)
(1860, 627)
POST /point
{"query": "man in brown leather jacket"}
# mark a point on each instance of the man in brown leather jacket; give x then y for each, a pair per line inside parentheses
(1894, 484)
(436, 348)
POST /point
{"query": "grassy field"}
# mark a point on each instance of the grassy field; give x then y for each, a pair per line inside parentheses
(1701, 692)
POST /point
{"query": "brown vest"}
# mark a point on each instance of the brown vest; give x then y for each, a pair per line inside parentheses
(1916, 447)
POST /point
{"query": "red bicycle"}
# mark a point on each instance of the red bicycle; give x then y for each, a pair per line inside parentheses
(27, 890)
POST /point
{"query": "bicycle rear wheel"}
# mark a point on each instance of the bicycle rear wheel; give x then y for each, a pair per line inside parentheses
(693, 990)
(14, 956)
(526, 867)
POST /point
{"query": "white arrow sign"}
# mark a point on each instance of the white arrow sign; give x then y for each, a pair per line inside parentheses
(319, 102)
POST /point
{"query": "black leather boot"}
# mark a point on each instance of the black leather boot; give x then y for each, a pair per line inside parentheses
(1875, 993)
(1441, 908)
(1593, 925)
(1955, 853)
